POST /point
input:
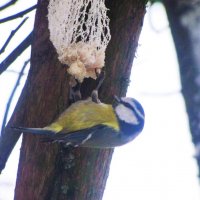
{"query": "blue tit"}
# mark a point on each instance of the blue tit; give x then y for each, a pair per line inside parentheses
(96, 125)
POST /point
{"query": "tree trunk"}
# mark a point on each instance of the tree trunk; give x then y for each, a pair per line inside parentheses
(185, 27)
(51, 171)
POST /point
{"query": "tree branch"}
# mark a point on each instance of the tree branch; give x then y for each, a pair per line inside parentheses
(11, 35)
(20, 14)
(11, 97)
(10, 3)
(15, 53)
(8, 139)
(187, 44)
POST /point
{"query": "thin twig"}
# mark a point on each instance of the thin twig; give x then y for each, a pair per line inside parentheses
(11, 36)
(20, 14)
(12, 95)
(15, 53)
(12, 71)
(10, 3)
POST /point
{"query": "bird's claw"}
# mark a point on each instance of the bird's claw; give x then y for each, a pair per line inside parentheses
(95, 92)
(75, 94)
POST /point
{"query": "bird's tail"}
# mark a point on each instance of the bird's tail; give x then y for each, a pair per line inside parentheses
(37, 131)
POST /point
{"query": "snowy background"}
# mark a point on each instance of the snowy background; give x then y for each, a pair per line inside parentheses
(158, 164)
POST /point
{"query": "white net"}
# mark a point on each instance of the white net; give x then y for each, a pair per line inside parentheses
(79, 30)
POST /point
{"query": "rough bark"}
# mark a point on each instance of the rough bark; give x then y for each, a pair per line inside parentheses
(185, 27)
(51, 171)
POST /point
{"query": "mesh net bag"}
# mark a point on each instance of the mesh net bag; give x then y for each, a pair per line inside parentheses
(79, 30)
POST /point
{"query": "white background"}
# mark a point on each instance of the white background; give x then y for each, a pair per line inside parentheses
(159, 164)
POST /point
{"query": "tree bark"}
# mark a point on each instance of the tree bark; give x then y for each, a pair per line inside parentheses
(185, 27)
(51, 171)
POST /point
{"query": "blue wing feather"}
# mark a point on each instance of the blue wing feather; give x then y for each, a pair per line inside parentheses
(75, 138)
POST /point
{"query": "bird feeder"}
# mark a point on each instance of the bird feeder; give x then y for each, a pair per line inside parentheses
(79, 30)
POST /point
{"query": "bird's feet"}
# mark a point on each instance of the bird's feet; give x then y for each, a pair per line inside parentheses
(75, 94)
(94, 94)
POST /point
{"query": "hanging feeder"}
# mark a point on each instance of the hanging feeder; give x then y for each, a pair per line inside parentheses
(79, 30)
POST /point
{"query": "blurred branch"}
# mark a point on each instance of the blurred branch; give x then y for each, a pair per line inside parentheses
(8, 139)
(10, 3)
(12, 71)
(184, 22)
(15, 53)
(161, 94)
(11, 36)
(11, 97)
(20, 14)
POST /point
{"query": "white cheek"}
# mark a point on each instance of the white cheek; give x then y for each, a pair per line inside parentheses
(130, 101)
(125, 114)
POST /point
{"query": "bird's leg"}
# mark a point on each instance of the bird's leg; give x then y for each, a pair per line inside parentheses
(75, 94)
(94, 94)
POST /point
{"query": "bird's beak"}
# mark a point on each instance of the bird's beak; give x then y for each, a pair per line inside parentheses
(117, 99)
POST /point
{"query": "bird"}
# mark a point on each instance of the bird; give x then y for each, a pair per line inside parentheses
(91, 124)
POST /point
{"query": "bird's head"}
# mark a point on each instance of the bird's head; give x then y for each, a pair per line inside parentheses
(130, 115)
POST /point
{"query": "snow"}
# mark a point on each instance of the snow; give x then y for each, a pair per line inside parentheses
(159, 163)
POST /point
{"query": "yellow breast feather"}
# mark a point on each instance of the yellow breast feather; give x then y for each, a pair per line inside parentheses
(85, 114)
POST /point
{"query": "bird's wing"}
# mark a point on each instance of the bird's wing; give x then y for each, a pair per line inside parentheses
(75, 138)
(37, 131)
